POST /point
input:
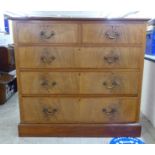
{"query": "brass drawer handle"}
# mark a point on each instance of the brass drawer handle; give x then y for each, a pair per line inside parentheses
(112, 84)
(111, 59)
(109, 112)
(54, 83)
(47, 59)
(112, 34)
(50, 111)
(45, 35)
(46, 84)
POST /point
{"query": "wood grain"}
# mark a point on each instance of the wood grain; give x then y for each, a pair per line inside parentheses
(52, 33)
(79, 110)
(79, 82)
(74, 57)
(80, 130)
(96, 33)
(141, 69)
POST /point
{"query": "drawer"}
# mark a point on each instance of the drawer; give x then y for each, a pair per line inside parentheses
(73, 57)
(79, 82)
(113, 33)
(79, 110)
(42, 32)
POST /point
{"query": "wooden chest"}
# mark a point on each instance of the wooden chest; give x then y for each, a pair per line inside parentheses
(7, 58)
(8, 85)
(79, 77)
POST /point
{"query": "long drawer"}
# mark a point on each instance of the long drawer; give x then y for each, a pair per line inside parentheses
(79, 110)
(113, 33)
(84, 57)
(79, 82)
(47, 32)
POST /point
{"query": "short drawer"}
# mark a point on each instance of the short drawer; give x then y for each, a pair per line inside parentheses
(47, 32)
(79, 110)
(79, 82)
(113, 33)
(84, 57)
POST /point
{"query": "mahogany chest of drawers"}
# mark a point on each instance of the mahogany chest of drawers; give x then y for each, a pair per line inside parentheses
(79, 77)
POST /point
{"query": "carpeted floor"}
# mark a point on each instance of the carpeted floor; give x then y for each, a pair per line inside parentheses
(9, 119)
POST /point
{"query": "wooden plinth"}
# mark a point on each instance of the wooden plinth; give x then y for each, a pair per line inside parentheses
(79, 130)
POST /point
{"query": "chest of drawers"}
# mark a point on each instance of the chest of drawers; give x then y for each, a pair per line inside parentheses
(79, 77)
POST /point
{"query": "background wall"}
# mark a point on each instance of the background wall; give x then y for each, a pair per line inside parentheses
(5, 38)
(148, 91)
(114, 8)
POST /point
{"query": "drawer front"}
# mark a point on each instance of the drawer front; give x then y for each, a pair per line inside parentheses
(113, 33)
(79, 110)
(72, 57)
(47, 33)
(79, 83)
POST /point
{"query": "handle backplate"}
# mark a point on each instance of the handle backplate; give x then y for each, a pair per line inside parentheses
(50, 111)
(111, 84)
(111, 58)
(46, 35)
(47, 84)
(109, 111)
(112, 34)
